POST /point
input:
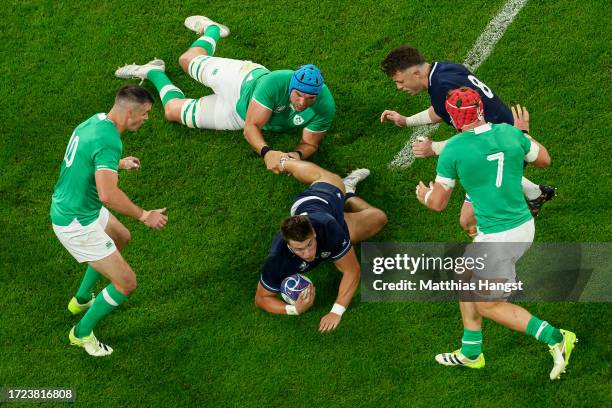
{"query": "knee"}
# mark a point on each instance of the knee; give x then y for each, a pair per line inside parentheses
(128, 284)
(172, 110)
(185, 60)
(380, 218)
(485, 308)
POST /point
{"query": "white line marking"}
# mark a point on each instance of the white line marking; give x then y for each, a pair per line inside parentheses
(481, 49)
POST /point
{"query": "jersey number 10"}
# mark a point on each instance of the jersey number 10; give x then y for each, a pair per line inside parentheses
(500, 166)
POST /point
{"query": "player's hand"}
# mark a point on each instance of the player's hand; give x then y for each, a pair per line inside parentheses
(521, 117)
(421, 190)
(422, 147)
(329, 322)
(293, 155)
(129, 163)
(155, 219)
(272, 160)
(393, 116)
(306, 299)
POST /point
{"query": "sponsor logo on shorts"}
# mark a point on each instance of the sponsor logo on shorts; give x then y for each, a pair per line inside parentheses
(109, 244)
(325, 254)
(215, 71)
(303, 266)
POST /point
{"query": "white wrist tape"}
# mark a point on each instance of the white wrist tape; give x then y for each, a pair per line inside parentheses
(427, 194)
(291, 310)
(144, 216)
(338, 309)
(438, 146)
(421, 118)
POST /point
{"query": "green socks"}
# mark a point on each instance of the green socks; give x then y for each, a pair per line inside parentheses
(106, 301)
(164, 86)
(88, 284)
(208, 40)
(471, 343)
(543, 331)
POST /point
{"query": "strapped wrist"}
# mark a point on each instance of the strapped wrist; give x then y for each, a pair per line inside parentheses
(263, 151)
(291, 310)
(338, 309)
(144, 216)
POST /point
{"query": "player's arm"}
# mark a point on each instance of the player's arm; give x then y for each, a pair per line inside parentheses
(426, 117)
(308, 145)
(112, 196)
(351, 274)
(268, 301)
(537, 154)
(436, 196)
(256, 117)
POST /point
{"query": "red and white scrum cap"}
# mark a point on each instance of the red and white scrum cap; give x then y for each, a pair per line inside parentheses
(464, 106)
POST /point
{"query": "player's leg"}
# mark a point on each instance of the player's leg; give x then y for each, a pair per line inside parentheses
(120, 235)
(309, 173)
(363, 220)
(209, 33)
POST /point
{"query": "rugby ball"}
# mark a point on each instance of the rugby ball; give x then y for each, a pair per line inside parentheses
(293, 286)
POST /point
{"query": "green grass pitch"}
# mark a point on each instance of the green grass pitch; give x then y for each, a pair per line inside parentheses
(190, 335)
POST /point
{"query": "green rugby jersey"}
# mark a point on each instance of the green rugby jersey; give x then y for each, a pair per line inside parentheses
(271, 89)
(94, 145)
(488, 161)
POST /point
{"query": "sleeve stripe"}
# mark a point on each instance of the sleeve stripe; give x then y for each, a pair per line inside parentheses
(100, 168)
(265, 285)
(316, 131)
(533, 152)
(253, 99)
(343, 252)
(445, 181)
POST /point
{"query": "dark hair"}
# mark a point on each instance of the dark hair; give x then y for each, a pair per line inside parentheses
(296, 228)
(401, 58)
(134, 94)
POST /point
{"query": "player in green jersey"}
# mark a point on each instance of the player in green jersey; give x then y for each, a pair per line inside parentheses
(246, 95)
(88, 179)
(488, 161)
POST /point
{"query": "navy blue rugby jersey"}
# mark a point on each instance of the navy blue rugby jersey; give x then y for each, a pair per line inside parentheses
(333, 242)
(446, 76)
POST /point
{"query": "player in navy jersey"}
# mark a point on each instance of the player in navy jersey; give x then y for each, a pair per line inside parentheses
(325, 220)
(412, 74)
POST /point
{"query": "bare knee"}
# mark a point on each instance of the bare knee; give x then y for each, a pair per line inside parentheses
(172, 110)
(485, 308)
(127, 283)
(379, 218)
(185, 60)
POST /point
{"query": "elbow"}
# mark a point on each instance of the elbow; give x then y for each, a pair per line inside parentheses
(104, 197)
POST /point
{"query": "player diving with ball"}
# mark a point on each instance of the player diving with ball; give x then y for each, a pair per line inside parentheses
(325, 221)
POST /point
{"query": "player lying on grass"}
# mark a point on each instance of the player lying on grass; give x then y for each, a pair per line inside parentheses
(488, 161)
(326, 219)
(246, 95)
(88, 179)
(412, 74)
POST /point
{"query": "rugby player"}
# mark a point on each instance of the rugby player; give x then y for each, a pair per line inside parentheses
(325, 221)
(246, 95)
(488, 161)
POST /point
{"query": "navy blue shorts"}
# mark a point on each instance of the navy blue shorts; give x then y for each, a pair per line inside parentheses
(320, 197)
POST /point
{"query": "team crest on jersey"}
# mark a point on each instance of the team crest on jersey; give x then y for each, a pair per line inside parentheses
(303, 266)
(325, 254)
(298, 120)
(280, 108)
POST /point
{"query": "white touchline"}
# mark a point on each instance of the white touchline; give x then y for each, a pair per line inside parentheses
(478, 54)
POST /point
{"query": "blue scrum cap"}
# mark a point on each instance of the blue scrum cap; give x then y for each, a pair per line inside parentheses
(307, 79)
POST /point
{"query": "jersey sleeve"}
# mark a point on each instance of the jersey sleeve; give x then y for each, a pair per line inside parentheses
(272, 273)
(106, 149)
(337, 239)
(325, 112)
(267, 90)
(446, 168)
(530, 148)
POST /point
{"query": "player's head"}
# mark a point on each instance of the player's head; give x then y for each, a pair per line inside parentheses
(464, 106)
(406, 67)
(306, 83)
(134, 103)
(300, 236)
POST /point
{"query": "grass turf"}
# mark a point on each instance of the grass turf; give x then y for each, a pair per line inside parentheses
(190, 334)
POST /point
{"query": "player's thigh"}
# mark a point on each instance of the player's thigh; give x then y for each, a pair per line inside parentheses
(117, 270)
(211, 112)
(223, 75)
(117, 231)
(326, 176)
